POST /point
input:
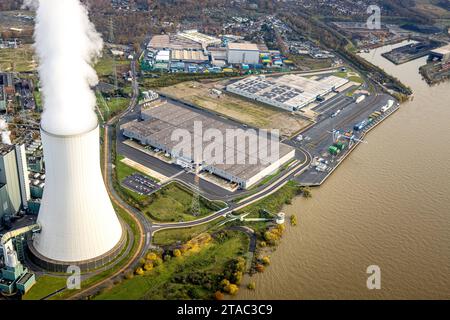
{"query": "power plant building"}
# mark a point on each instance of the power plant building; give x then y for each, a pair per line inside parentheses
(14, 183)
(289, 92)
(238, 53)
(160, 122)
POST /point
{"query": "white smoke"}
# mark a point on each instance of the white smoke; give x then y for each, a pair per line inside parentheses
(67, 44)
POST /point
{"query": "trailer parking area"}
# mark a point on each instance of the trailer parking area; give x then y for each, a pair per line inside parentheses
(140, 184)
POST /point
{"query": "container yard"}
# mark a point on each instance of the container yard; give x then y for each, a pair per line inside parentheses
(333, 138)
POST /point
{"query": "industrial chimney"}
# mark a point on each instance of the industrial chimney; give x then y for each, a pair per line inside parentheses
(78, 223)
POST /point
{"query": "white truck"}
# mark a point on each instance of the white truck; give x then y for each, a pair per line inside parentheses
(386, 107)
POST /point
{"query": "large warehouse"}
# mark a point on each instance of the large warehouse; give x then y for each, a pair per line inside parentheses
(247, 53)
(241, 166)
(289, 92)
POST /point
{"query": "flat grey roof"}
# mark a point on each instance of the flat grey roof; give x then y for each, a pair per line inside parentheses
(162, 120)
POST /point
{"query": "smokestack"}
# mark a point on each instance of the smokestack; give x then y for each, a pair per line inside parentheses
(78, 223)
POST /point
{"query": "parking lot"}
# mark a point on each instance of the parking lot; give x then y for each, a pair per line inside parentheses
(140, 184)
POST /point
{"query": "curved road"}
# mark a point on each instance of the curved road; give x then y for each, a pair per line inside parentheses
(146, 228)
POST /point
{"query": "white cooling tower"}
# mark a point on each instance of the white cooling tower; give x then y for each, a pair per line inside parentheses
(78, 222)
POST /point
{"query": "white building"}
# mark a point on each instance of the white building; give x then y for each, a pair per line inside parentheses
(162, 120)
(289, 92)
(247, 53)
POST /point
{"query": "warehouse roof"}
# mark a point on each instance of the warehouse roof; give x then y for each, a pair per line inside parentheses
(188, 55)
(159, 41)
(291, 90)
(173, 42)
(442, 50)
(198, 37)
(161, 121)
(243, 46)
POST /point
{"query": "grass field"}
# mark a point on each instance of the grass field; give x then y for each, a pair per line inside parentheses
(112, 106)
(171, 236)
(242, 110)
(105, 65)
(44, 286)
(18, 60)
(173, 203)
(274, 202)
(173, 279)
(169, 204)
(349, 75)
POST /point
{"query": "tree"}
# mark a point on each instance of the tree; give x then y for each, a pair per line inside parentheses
(176, 253)
(157, 262)
(139, 271)
(259, 268)
(218, 295)
(129, 275)
(265, 260)
(237, 277)
(148, 266)
(232, 289)
(224, 283)
(151, 256)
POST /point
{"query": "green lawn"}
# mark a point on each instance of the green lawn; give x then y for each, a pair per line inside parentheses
(109, 107)
(105, 65)
(193, 276)
(173, 203)
(273, 203)
(355, 79)
(44, 286)
(170, 236)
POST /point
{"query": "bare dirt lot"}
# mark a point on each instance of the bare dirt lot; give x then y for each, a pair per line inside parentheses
(242, 110)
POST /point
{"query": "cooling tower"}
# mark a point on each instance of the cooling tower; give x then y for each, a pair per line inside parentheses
(78, 223)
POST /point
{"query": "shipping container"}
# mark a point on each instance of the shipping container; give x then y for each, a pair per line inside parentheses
(333, 150)
(340, 145)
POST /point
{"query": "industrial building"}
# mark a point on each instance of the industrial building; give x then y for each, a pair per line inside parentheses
(2, 98)
(172, 42)
(14, 183)
(189, 56)
(14, 276)
(238, 53)
(289, 92)
(160, 121)
(442, 54)
(203, 39)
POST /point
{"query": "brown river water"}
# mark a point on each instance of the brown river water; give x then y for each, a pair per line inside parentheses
(388, 205)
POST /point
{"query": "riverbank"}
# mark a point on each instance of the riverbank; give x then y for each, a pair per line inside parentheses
(386, 205)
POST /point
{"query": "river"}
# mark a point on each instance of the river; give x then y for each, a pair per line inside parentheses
(387, 205)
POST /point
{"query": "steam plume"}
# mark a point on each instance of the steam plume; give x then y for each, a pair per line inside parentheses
(67, 44)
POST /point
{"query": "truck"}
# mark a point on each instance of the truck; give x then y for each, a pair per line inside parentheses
(386, 107)
(360, 99)
(360, 126)
(336, 113)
